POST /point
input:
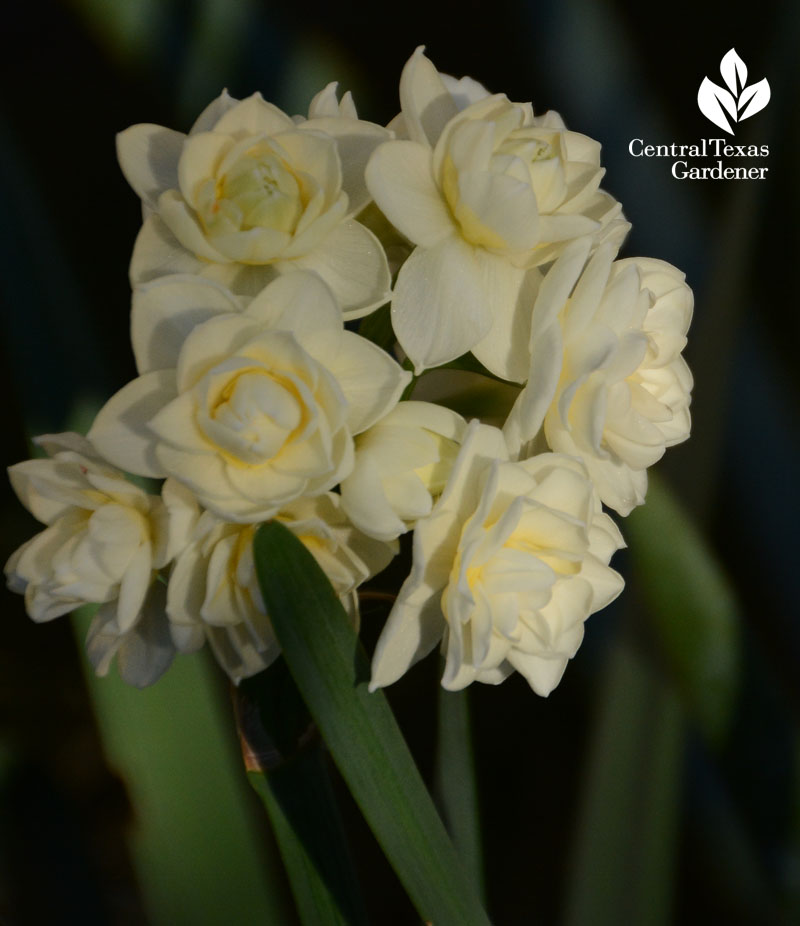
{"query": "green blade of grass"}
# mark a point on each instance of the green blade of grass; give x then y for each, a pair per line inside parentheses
(331, 671)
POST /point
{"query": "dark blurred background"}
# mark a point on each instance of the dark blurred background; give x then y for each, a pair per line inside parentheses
(660, 782)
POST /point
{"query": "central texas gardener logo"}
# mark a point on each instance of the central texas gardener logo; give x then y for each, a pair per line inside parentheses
(736, 103)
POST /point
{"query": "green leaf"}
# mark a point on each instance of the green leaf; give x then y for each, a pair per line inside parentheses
(693, 609)
(198, 854)
(331, 670)
(286, 766)
(456, 781)
(626, 836)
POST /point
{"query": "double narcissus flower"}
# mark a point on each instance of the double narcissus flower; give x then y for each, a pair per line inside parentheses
(249, 194)
(264, 390)
(607, 379)
(213, 590)
(486, 191)
(257, 407)
(104, 541)
(507, 567)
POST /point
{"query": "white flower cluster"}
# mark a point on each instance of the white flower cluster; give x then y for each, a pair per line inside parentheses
(258, 398)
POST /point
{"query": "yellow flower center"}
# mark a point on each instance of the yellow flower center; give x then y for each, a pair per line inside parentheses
(254, 416)
(259, 191)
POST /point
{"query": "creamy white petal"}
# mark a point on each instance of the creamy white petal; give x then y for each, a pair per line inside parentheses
(326, 103)
(148, 155)
(400, 178)
(241, 279)
(355, 140)
(133, 588)
(120, 431)
(147, 652)
(174, 521)
(352, 262)
(531, 407)
(158, 252)
(253, 116)
(186, 588)
(424, 99)
(211, 115)
(165, 311)
(302, 303)
(200, 158)
(464, 90)
(176, 424)
(557, 286)
(439, 309)
(543, 673)
(182, 222)
(589, 290)
(428, 415)
(497, 211)
(364, 500)
(413, 628)
(211, 343)
(511, 292)
(372, 382)
(47, 489)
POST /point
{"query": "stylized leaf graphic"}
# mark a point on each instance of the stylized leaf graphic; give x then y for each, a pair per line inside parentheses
(753, 99)
(732, 67)
(711, 99)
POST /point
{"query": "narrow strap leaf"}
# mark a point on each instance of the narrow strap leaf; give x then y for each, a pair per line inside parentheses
(331, 670)
(285, 762)
(623, 865)
(692, 607)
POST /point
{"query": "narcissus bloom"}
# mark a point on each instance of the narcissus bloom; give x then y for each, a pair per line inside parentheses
(104, 539)
(257, 407)
(507, 567)
(250, 194)
(214, 591)
(402, 464)
(607, 379)
(486, 191)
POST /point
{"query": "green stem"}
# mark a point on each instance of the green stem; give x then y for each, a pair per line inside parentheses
(456, 781)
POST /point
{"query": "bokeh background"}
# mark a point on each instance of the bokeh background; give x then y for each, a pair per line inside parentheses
(660, 783)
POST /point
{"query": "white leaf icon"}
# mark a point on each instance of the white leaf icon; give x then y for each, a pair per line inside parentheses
(753, 99)
(711, 99)
(732, 67)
